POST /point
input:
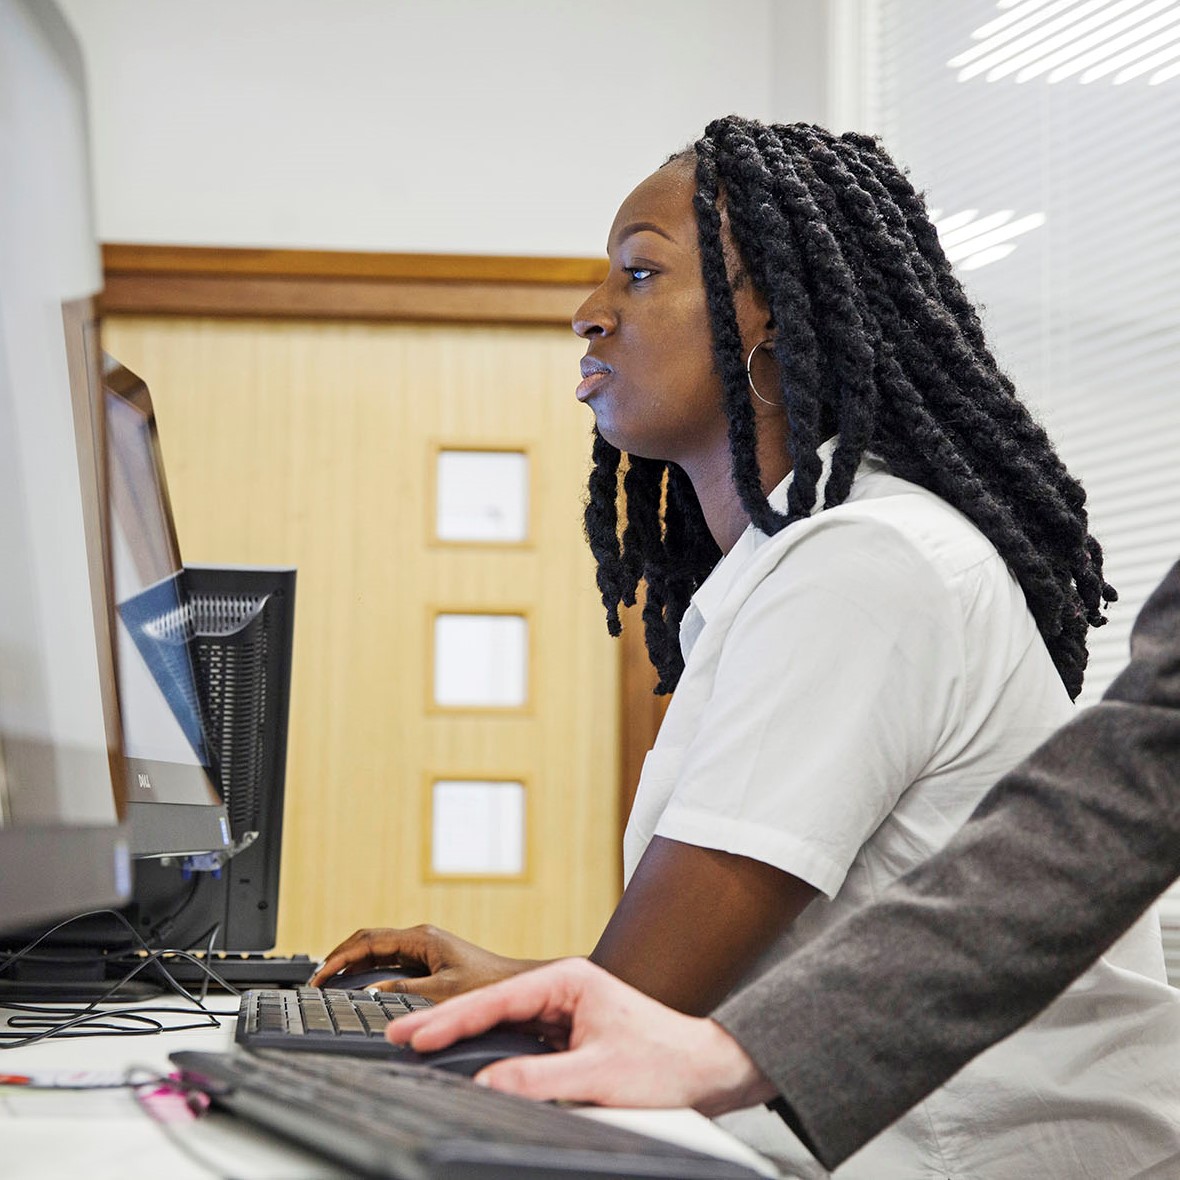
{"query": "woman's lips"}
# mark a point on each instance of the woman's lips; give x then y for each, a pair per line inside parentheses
(589, 384)
(594, 373)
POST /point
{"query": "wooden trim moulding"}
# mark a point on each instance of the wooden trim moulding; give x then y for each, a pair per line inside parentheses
(329, 284)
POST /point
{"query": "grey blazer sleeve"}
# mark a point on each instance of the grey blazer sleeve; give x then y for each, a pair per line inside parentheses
(1058, 860)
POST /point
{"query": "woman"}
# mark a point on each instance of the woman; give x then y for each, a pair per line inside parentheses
(868, 577)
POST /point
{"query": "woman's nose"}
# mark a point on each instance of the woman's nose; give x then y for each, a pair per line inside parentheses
(592, 318)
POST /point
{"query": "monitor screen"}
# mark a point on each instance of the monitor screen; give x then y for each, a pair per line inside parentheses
(174, 806)
(63, 847)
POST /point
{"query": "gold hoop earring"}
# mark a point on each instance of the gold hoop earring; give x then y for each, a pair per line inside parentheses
(750, 376)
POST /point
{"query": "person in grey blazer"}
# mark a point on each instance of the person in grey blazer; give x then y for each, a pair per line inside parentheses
(846, 1035)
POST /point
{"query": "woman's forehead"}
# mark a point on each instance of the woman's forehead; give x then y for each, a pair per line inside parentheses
(662, 202)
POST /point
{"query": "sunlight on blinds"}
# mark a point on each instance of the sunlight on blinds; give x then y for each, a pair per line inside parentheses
(1087, 40)
(1085, 313)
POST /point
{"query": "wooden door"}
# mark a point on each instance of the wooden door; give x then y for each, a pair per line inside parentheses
(315, 444)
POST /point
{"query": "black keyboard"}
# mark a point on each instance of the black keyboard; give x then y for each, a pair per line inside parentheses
(322, 1020)
(252, 969)
(389, 1119)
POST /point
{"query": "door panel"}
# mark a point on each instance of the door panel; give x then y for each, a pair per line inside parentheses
(315, 444)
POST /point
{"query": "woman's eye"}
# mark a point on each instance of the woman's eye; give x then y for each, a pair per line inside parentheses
(639, 273)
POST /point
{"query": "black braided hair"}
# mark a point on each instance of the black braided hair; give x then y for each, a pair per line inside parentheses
(877, 342)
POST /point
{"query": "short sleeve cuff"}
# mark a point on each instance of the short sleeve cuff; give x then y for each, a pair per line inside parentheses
(783, 850)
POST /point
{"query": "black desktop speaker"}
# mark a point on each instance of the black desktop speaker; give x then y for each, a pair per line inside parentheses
(240, 622)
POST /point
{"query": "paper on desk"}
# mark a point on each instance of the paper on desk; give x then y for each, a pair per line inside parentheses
(95, 1133)
(20, 1102)
(688, 1129)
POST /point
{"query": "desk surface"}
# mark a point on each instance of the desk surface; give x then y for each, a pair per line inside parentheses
(103, 1133)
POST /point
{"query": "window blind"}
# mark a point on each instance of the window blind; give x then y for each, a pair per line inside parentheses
(1046, 135)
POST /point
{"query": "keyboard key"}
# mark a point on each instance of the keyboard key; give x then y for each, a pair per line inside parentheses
(324, 1020)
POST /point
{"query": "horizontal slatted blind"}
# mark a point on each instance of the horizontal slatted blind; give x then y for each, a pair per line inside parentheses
(1083, 310)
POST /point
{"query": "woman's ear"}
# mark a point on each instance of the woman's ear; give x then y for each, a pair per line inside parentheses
(754, 315)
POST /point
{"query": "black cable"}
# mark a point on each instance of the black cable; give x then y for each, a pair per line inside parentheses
(89, 1020)
(162, 929)
(209, 974)
(25, 951)
(208, 955)
(91, 1024)
(153, 955)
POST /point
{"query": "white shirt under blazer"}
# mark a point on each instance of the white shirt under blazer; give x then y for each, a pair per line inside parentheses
(853, 686)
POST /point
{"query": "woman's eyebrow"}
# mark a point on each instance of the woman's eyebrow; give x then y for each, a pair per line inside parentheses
(636, 227)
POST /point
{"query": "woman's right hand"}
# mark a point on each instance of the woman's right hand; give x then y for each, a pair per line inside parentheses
(618, 1046)
(451, 964)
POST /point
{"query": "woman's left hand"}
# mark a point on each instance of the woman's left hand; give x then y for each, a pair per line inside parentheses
(451, 964)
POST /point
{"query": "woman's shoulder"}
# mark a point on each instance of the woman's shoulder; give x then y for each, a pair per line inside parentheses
(890, 546)
(906, 526)
(903, 546)
(879, 557)
(894, 520)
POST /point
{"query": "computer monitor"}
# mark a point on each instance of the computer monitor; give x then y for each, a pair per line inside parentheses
(63, 842)
(102, 750)
(174, 805)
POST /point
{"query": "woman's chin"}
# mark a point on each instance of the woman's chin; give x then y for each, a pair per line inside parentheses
(622, 440)
(608, 431)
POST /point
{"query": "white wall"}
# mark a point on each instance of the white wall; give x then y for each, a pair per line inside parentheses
(469, 126)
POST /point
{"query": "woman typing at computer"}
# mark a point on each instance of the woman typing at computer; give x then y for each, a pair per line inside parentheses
(869, 579)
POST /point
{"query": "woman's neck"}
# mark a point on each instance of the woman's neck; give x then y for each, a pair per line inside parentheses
(725, 515)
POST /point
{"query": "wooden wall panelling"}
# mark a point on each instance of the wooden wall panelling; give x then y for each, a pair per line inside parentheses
(310, 444)
(260, 421)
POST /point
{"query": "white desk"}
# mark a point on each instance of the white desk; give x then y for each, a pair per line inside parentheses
(96, 1134)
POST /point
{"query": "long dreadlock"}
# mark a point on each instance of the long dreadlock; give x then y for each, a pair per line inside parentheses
(875, 340)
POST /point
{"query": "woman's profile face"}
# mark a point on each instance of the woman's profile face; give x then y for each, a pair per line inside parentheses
(648, 372)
